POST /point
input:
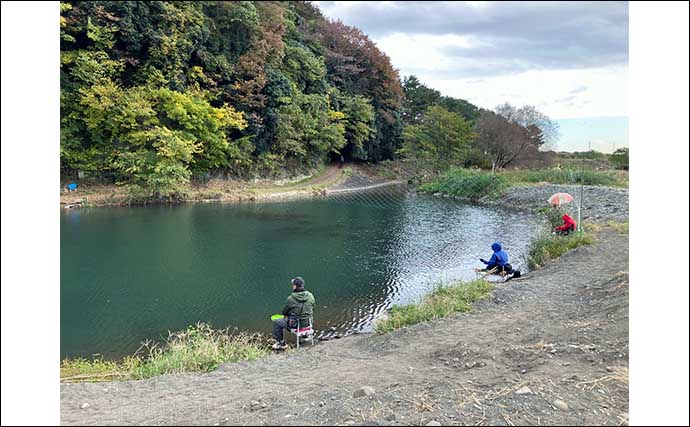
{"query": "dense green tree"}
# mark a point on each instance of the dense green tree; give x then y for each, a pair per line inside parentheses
(467, 110)
(308, 129)
(156, 137)
(155, 92)
(441, 138)
(359, 125)
(418, 98)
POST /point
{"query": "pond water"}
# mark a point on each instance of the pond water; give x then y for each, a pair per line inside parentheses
(131, 274)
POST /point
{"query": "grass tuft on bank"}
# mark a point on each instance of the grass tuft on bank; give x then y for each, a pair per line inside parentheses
(566, 176)
(199, 348)
(442, 302)
(621, 227)
(549, 246)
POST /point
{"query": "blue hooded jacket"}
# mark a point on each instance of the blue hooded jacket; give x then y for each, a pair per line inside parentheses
(500, 257)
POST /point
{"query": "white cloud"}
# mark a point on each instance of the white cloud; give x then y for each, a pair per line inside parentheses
(568, 59)
(584, 92)
(423, 51)
(556, 92)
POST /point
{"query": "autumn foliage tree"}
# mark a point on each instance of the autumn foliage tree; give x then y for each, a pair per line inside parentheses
(355, 65)
(503, 140)
(154, 93)
(527, 116)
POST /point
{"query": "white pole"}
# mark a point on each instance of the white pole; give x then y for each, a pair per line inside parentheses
(579, 205)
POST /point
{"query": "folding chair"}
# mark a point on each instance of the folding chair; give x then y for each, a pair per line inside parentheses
(304, 331)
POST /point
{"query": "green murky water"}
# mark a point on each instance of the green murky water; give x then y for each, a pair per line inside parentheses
(131, 274)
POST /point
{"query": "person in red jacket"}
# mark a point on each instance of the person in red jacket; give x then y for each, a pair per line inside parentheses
(568, 226)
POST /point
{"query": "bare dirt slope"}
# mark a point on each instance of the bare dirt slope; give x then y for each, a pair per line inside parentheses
(549, 349)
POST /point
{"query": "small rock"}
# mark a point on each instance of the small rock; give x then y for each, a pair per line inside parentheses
(364, 391)
(254, 405)
(433, 423)
(559, 404)
(524, 371)
(523, 390)
(349, 422)
(322, 404)
(456, 360)
(85, 405)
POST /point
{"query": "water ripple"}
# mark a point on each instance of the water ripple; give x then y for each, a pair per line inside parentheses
(128, 274)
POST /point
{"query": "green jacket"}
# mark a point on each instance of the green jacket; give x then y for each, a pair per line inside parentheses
(300, 305)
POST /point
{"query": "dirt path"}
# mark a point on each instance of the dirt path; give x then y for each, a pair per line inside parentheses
(215, 190)
(551, 349)
(330, 177)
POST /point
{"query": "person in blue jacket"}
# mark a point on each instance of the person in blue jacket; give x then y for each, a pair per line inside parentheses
(499, 261)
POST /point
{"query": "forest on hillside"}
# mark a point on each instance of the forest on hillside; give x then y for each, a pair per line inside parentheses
(155, 93)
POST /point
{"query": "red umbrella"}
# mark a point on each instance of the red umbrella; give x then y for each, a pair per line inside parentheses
(560, 198)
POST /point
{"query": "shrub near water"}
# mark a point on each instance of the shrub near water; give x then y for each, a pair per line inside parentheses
(199, 348)
(474, 184)
(551, 246)
(440, 303)
(466, 183)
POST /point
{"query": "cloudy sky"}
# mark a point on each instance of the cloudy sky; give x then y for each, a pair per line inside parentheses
(569, 59)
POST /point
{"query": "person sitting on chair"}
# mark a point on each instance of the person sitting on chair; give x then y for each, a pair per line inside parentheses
(568, 226)
(299, 307)
(499, 263)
